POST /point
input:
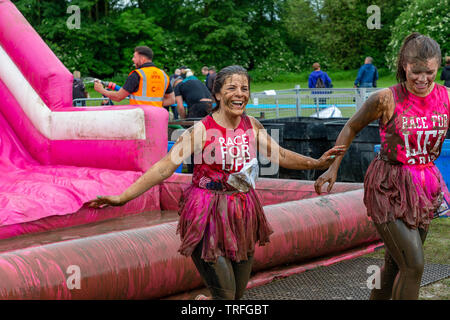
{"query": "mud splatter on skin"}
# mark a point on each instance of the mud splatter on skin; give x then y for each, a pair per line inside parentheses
(392, 142)
(387, 123)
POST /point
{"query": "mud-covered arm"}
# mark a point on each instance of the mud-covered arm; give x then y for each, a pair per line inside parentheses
(191, 140)
(378, 106)
(289, 159)
(373, 109)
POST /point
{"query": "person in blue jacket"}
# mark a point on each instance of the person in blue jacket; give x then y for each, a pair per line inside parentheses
(367, 75)
(319, 79)
(315, 75)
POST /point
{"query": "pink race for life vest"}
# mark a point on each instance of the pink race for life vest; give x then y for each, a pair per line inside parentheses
(415, 133)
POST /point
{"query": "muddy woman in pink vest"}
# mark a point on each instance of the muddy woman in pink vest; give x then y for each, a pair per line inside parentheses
(403, 189)
(221, 217)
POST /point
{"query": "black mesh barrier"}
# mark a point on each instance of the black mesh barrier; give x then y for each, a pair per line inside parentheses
(342, 281)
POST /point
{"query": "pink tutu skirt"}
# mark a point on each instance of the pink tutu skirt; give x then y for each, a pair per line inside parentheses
(412, 193)
(230, 223)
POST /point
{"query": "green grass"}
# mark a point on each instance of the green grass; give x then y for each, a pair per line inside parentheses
(437, 243)
(339, 79)
(437, 251)
(288, 80)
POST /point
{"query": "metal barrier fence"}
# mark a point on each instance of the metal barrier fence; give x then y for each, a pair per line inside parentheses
(90, 102)
(305, 102)
(295, 102)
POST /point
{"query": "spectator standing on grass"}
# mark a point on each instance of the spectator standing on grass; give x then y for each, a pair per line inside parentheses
(176, 74)
(367, 75)
(445, 75)
(319, 78)
(205, 72)
(183, 71)
(79, 90)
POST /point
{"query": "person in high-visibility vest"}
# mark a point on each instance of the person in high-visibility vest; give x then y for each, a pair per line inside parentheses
(147, 85)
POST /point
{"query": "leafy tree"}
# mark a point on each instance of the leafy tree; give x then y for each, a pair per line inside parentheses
(350, 39)
(212, 32)
(302, 21)
(104, 43)
(335, 32)
(270, 51)
(429, 17)
(266, 36)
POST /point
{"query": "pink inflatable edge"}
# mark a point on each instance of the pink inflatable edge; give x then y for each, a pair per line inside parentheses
(53, 82)
(166, 196)
(37, 62)
(135, 155)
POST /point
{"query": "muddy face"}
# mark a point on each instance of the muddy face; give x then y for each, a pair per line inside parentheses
(420, 76)
(234, 95)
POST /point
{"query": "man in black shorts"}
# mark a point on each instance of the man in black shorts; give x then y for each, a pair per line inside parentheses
(196, 95)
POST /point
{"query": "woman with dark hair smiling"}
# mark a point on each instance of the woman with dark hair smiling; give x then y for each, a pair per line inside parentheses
(403, 189)
(221, 217)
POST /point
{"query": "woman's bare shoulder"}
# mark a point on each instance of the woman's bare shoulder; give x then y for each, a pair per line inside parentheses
(385, 96)
(255, 123)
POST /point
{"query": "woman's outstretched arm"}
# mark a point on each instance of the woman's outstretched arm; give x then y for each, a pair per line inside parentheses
(290, 159)
(376, 107)
(191, 140)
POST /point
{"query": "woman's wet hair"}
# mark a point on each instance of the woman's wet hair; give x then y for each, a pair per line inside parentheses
(416, 47)
(222, 76)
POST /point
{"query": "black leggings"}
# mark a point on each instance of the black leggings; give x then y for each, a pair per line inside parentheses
(403, 266)
(225, 279)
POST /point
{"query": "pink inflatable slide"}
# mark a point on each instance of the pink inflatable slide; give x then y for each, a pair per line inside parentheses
(55, 157)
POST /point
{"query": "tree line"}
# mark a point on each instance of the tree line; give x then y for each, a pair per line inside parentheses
(268, 37)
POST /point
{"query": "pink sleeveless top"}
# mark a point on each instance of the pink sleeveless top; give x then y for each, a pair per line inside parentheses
(225, 152)
(415, 133)
(403, 182)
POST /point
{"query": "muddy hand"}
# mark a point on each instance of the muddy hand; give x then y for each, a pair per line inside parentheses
(104, 201)
(329, 177)
(337, 151)
(328, 157)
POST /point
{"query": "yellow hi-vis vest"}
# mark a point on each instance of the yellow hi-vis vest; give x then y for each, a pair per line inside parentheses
(153, 84)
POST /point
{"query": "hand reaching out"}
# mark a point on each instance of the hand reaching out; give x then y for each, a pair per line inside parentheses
(331, 174)
(105, 201)
(328, 157)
